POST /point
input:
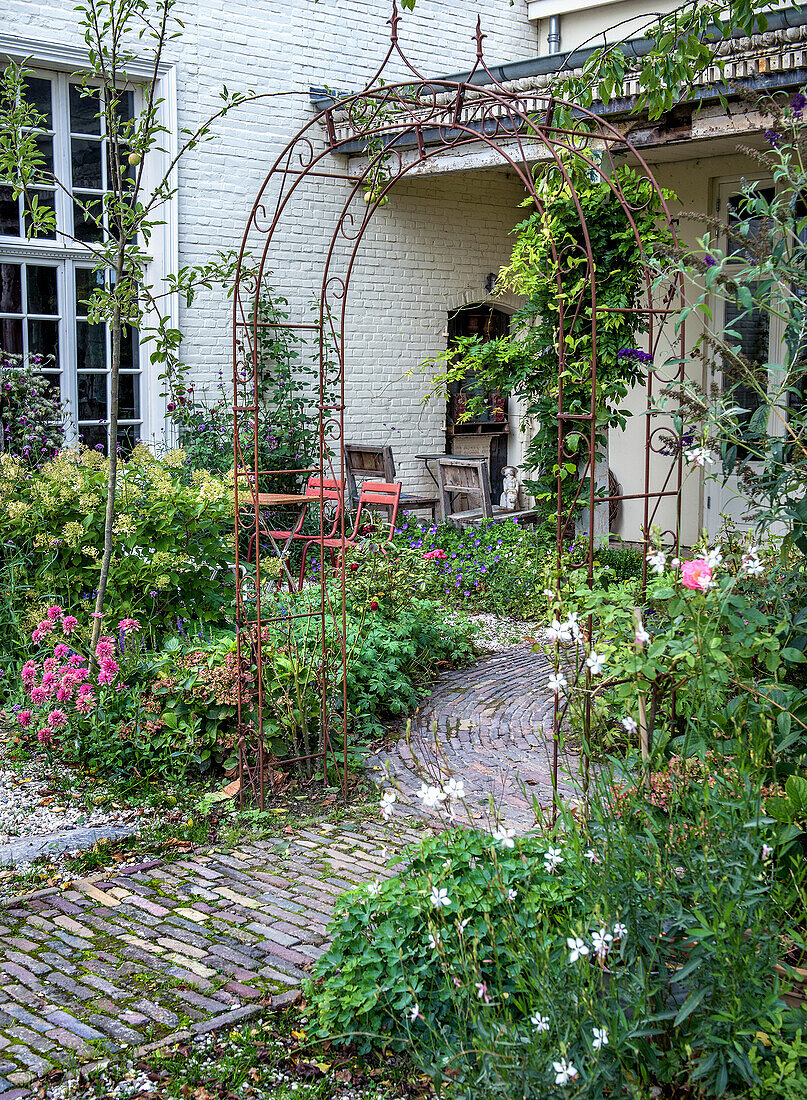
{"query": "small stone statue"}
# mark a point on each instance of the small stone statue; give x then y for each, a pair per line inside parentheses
(509, 497)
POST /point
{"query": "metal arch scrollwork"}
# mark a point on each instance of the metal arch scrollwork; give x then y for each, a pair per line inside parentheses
(387, 130)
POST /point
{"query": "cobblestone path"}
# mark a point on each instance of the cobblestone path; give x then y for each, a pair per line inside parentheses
(159, 949)
(490, 726)
(164, 950)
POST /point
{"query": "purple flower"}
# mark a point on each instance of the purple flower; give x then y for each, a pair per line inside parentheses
(710, 261)
(798, 103)
(636, 355)
(773, 138)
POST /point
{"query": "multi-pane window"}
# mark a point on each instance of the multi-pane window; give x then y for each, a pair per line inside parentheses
(29, 314)
(39, 93)
(46, 282)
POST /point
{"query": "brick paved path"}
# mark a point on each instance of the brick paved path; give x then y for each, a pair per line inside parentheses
(158, 949)
(491, 726)
(178, 949)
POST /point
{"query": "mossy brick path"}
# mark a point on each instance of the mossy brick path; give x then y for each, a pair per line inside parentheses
(491, 726)
(160, 949)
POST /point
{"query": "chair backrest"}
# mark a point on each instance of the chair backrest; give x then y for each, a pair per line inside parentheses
(329, 489)
(464, 477)
(367, 461)
(379, 493)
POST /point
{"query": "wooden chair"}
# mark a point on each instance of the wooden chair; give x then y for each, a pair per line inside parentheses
(469, 477)
(365, 461)
(376, 493)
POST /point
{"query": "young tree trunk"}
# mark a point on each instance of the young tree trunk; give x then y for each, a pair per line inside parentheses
(112, 478)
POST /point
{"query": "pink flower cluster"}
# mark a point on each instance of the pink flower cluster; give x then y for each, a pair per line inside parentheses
(65, 677)
(48, 624)
(57, 682)
(437, 554)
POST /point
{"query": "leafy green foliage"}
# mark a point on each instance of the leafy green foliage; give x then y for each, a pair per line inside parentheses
(171, 538)
(780, 1064)
(392, 652)
(487, 984)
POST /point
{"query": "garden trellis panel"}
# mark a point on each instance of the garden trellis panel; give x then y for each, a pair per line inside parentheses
(389, 129)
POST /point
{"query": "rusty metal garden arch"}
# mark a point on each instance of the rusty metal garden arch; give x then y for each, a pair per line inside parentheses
(395, 127)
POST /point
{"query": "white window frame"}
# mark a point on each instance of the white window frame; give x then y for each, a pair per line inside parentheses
(65, 62)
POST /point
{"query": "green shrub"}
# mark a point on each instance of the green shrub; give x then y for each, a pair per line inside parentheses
(173, 538)
(392, 654)
(637, 946)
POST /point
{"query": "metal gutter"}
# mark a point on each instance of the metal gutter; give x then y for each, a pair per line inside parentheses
(547, 64)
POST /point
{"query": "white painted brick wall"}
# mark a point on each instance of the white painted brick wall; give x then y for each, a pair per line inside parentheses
(428, 251)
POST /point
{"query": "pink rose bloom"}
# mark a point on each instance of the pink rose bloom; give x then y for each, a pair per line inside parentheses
(54, 612)
(45, 735)
(57, 719)
(24, 718)
(46, 626)
(85, 689)
(75, 660)
(85, 703)
(50, 664)
(61, 651)
(696, 574)
(28, 674)
(129, 626)
(64, 693)
(69, 624)
(105, 648)
(38, 695)
(49, 682)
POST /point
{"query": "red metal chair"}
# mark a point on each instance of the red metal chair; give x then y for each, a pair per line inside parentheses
(326, 489)
(378, 493)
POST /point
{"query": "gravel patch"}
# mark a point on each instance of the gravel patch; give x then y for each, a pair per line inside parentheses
(495, 633)
(36, 818)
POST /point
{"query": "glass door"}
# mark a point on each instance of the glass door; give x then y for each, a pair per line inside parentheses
(758, 338)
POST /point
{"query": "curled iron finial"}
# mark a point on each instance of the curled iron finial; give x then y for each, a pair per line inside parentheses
(393, 21)
(480, 38)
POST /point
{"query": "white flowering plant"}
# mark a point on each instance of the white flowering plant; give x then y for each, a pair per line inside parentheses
(626, 966)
